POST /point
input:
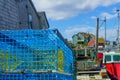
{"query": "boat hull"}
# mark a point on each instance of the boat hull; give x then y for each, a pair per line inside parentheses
(113, 70)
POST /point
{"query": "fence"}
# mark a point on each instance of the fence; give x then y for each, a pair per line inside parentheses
(34, 51)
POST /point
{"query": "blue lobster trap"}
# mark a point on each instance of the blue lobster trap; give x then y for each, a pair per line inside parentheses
(34, 51)
(36, 76)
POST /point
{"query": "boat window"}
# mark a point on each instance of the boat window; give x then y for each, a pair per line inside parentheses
(108, 58)
(116, 57)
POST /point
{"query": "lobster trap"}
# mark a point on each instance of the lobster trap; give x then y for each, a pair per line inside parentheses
(34, 51)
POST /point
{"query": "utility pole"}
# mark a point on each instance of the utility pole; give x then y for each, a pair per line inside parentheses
(96, 40)
(118, 28)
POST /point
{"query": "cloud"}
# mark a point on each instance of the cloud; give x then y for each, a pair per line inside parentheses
(62, 9)
(103, 15)
(74, 30)
(93, 17)
(111, 33)
(107, 15)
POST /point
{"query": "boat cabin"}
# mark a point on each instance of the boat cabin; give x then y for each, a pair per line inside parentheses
(111, 60)
(111, 57)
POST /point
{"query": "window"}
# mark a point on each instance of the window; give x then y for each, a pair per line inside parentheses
(108, 58)
(116, 57)
(30, 21)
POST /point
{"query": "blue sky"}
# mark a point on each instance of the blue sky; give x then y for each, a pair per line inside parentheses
(73, 16)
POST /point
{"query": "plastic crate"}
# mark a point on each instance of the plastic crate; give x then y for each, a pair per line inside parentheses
(34, 50)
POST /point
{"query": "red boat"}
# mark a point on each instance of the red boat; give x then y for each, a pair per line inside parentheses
(112, 62)
(100, 58)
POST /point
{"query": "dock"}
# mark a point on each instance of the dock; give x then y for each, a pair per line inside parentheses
(92, 75)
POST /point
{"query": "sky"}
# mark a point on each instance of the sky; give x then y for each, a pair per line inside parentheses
(73, 16)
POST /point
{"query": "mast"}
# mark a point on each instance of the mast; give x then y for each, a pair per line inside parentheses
(105, 31)
(118, 28)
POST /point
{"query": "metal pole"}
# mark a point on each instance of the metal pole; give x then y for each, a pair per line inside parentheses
(97, 29)
(118, 28)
